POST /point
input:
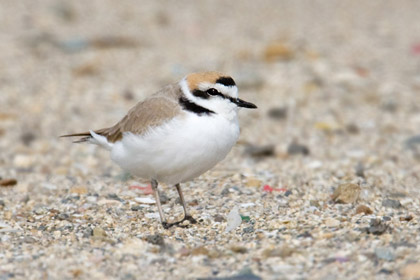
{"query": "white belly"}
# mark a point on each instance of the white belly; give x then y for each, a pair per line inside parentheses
(178, 151)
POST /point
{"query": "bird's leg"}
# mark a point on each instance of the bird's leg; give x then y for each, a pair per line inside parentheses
(165, 224)
(187, 216)
(154, 184)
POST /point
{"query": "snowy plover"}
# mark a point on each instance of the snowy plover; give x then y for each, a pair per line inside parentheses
(176, 134)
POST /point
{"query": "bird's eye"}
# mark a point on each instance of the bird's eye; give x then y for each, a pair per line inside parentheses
(213, 91)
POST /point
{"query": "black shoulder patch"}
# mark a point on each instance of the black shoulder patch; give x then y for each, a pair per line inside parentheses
(192, 107)
(226, 81)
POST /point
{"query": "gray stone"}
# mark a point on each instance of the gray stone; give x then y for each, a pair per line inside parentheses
(376, 227)
(392, 203)
(384, 254)
(136, 208)
(245, 274)
(114, 197)
(260, 151)
(63, 216)
(155, 239)
(296, 149)
(248, 229)
(277, 113)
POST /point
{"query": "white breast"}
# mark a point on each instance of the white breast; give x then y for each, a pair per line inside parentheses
(179, 150)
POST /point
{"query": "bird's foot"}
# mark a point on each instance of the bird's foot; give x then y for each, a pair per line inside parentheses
(180, 224)
(190, 218)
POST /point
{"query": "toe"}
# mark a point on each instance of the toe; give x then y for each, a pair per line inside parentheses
(191, 219)
(166, 225)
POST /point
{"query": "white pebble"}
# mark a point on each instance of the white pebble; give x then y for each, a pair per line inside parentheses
(234, 220)
(152, 215)
(246, 205)
(145, 200)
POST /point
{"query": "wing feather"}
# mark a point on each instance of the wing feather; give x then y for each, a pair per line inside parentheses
(153, 111)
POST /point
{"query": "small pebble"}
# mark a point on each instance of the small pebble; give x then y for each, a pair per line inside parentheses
(277, 113)
(363, 209)
(278, 51)
(377, 227)
(145, 200)
(406, 218)
(219, 218)
(114, 197)
(392, 203)
(346, 193)
(128, 95)
(155, 239)
(23, 161)
(98, 232)
(282, 252)
(253, 182)
(88, 233)
(413, 142)
(352, 128)
(245, 274)
(136, 207)
(40, 210)
(8, 182)
(385, 271)
(27, 137)
(238, 249)
(201, 250)
(165, 199)
(248, 229)
(246, 205)
(79, 190)
(330, 222)
(360, 170)
(384, 254)
(306, 234)
(234, 220)
(386, 218)
(297, 149)
(63, 216)
(260, 151)
(390, 106)
(315, 203)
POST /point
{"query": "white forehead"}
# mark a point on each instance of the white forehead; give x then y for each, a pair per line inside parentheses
(231, 91)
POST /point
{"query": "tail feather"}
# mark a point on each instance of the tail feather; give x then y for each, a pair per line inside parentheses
(86, 138)
(95, 137)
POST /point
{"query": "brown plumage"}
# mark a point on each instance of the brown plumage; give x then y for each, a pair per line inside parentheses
(195, 79)
(153, 111)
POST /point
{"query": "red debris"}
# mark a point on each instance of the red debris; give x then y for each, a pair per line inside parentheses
(415, 49)
(146, 190)
(269, 189)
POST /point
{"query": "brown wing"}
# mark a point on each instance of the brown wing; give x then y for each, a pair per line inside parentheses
(153, 111)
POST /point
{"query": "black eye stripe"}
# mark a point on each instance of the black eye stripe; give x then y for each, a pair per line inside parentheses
(213, 91)
(201, 94)
(206, 94)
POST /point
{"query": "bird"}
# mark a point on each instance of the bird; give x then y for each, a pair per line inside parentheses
(175, 134)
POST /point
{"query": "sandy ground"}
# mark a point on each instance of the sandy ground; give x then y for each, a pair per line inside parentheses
(325, 177)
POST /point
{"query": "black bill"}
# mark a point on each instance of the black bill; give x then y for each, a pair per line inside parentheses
(243, 103)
